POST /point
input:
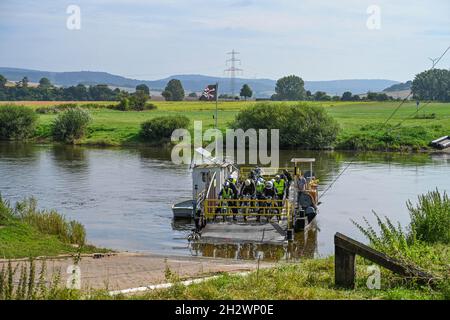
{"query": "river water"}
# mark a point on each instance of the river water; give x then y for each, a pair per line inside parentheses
(124, 196)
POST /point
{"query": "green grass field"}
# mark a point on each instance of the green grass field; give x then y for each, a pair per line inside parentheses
(112, 127)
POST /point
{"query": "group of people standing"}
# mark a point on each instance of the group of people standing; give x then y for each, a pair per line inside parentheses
(256, 187)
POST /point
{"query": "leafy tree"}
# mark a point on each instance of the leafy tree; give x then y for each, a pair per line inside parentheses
(124, 104)
(81, 92)
(167, 95)
(432, 84)
(143, 87)
(300, 125)
(3, 81)
(290, 88)
(246, 91)
(321, 96)
(101, 92)
(308, 95)
(45, 91)
(138, 100)
(23, 83)
(192, 95)
(44, 83)
(176, 90)
(382, 97)
(347, 96)
(373, 96)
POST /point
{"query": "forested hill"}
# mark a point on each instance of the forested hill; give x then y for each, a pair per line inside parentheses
(261, 87)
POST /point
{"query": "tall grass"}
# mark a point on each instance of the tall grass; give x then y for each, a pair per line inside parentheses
(425, 242)
(25, 282)
(5, 211)
(430, 218)
(377, 136)
(48, 222)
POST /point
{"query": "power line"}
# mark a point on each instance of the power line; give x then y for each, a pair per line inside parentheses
(232, 70)
(435, 62)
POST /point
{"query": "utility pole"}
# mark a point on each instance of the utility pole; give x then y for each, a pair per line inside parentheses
(232, 70)
(435, 61)
(217, 101)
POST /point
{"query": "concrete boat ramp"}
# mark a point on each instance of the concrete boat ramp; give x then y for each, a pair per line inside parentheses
(272, 233)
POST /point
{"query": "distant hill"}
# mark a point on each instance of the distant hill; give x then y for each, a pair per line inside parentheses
(399, 87)
(193, 82)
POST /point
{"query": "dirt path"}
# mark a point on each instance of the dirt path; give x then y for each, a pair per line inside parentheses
(126, 270)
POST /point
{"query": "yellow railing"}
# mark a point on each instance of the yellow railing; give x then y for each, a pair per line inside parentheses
(248, 208)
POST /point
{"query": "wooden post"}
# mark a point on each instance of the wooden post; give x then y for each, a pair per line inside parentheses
(344, 262)
(344, 268)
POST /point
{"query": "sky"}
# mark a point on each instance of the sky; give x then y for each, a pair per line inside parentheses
(315, 39)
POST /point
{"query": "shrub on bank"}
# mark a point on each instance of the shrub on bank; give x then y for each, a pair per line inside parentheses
(424, 243)
(16, 122)
(161, 128)
(430, 218)
(300, 125)
(70, 125)
(127, 104)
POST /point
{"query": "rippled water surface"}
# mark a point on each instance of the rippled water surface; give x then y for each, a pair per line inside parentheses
(123, 196)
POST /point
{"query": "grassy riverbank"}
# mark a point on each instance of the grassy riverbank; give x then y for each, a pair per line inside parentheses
(311, 279)
(27, 232)
(424, 245)
(360, 122)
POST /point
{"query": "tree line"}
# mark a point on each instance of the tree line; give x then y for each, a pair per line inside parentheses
(45, 90)
(432, 85)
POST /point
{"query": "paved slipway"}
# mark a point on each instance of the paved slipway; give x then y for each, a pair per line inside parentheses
(119, 271)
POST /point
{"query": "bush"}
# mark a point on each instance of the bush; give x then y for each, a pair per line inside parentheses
(430, 219)
(425, 242)
(16, 122)
(300, 125)
(127, 104)
(161, 128)
(70, 125)
(123, 105)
